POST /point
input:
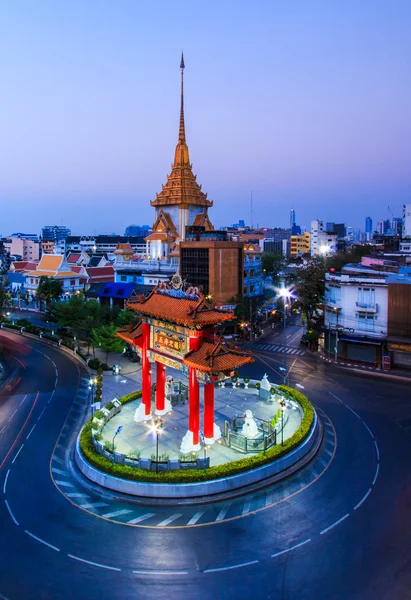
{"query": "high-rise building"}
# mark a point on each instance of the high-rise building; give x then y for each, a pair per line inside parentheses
(316, 228)
(340, 230)
(406, 221)
(368, 228)
(292, 218)
(329, 227)
(54, 233)
(300, 244)
(137, 231)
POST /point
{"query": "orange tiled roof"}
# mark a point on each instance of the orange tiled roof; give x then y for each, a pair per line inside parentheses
(50, 262)
(123, 249)
(130, 334)
(190, 311)
(215, 357)
(160, 236)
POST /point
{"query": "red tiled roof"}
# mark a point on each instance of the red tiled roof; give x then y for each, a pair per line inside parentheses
(23, 265)
(188, 311)
(73, 258)
(215, 357)
(130, 334)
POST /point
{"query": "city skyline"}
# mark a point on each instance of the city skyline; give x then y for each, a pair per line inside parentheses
(305, 108)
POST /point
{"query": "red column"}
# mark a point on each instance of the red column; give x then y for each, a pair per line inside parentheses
(145, 369)
(209, 410)
(194, 408)
(160, 386)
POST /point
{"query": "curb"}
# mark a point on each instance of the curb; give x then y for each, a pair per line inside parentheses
(212, 488)
(365, 370)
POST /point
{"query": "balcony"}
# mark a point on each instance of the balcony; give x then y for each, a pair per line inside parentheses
(370, 309)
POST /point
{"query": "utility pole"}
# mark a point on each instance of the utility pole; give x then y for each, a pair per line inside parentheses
(336, 338)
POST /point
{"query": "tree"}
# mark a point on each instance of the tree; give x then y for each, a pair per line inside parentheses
(272, 263)
(104, 337)
(353, 255)
(5, 299)
(49, 289)
(126, 317)
(310, 287)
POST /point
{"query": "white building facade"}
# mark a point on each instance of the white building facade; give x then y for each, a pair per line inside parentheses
(406, 221)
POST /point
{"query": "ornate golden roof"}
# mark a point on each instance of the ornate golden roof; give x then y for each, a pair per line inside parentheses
(181, 187)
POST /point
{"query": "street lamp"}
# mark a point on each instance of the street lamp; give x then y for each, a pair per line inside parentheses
(92, 383)
(285, 293)
(118, 430)
(156, 427)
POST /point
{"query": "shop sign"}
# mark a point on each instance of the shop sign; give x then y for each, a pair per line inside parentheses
(167, 341)
(402, 347)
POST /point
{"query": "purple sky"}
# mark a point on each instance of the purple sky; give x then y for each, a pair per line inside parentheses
(307, 104)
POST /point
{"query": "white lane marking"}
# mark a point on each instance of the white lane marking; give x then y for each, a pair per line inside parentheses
(363, 499)
(247, 506)
(169, 520)
(94, 564)
(334, 396)
(93, 504)
(59, 460)
(369, 430)
(11, 514)
(77, 495)
(42, 412)
(335, 524)
(292, 548)
(246, 564)
(353, 411)
(59, 471)
(288, 336)
(5, 481)
(141, 518)
(329, 452)
(223, 512)
(31, 431)
(376, 449)
(41, 541)
(269, 499)
(18, 452)
(64, 483)
(161, 572)
(116, 513)
(196, 517)
(376, 474)
(23, 400)
(13, 415)
(3, 428)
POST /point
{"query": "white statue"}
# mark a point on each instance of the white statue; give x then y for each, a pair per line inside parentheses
(265, 384)
(250, 429)
(169, 385)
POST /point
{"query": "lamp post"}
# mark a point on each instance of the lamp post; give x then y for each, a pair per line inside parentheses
(336, 336)
(92, 383)
(118, 430)
(156, 427)
(284, 293)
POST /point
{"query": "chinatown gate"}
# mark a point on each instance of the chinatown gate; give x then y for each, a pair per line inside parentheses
(178, 329)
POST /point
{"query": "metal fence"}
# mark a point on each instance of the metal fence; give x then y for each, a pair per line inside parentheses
(236, 440)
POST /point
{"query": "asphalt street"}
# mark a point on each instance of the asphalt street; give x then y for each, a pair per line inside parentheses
(340, 530)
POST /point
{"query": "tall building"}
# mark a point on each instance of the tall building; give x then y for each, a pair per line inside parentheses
(406, 221)
(368, 228)
(181, 202)
(300, 244)
(53, 239)
(137, 231)
(317, 227)
(329, 227)
(292, 218)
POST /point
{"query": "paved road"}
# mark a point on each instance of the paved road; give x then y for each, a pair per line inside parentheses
(341, 534)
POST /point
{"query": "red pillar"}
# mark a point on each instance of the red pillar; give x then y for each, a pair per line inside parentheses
(145, 369)
(160, 386)
(209, 410)
(194, 408)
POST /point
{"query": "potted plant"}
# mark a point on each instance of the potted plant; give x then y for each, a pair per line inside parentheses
(246, 382)
(258, 385)
(234, 380)
(272, 392)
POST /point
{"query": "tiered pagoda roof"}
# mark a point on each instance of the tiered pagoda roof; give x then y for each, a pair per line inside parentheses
(130, 334)
(181, 187)
(215, 357)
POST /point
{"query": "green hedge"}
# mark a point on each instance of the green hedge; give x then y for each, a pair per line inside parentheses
(193, 475)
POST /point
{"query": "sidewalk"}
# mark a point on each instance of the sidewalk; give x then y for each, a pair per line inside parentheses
(369, 370)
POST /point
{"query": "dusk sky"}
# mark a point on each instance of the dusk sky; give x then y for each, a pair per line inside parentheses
(307, 104)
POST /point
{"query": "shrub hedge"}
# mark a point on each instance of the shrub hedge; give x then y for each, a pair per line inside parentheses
(194, 475)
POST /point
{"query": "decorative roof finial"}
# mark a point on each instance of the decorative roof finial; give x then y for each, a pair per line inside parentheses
(182, 133)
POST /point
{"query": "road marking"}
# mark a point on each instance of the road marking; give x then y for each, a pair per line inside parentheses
(30, 432)
(11, 514)
(141, 518)
(369, 430)
(13, 415)
(353, 411)
(292, 548)
(76, 495)
(5, 481)
(59, 471)
(329, 452)
(161, 572)
(246, 564)
(42, 412)
(94, 564)
(376, 474)
(334, 396)
(64, 483)
(288, 336)
(363, 500)
(315, 473)
(196, 517)
(247, 506)
(322, 462)
(3, 428)
(18, 452)
(93, 504)
(169, 520)
(116, 513)
(223, 512)
(41, 541)
(59, 460)
(376, 449)
(276, 348)
(23, 400)
(269, 498)
(335, 524)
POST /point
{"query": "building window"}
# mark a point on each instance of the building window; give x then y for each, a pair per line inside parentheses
(365, 323)
(72, 282)
(366, 296)
(334, 293)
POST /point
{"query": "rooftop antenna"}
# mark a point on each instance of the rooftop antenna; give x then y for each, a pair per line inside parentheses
(251, 203)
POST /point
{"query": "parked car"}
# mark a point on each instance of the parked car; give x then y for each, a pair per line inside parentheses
(304, 339)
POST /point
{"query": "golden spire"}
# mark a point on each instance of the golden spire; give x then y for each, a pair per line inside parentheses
(182, 133)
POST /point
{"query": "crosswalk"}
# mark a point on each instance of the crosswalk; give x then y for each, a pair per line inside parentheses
(279, 348)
